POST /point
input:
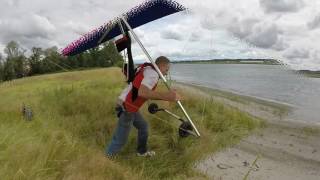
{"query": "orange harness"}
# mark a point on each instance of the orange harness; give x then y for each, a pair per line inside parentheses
(133, 101)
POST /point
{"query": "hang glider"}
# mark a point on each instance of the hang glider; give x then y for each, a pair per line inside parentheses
(142, 14)
(137, 16)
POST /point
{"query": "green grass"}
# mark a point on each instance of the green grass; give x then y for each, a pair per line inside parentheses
(310, 131)
(74, 119)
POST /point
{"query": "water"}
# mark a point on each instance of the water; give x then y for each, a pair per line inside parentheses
(272, 82)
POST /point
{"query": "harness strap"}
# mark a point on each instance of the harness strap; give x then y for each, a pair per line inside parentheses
(137, 82)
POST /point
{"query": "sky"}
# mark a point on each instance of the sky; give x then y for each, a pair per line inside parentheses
(287, 30)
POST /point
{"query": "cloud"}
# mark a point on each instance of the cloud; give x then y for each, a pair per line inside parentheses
(258, 32)
(315, 56)
(208, 23)
(297, 54)
(267, 27)
(29, 26)
(315, 23)
(195, 37)
(261, 34)
(76, 27)
(29, 30)
(264, 35)
(280, 45)
(168, 34)
(242, 28)
(271, 6)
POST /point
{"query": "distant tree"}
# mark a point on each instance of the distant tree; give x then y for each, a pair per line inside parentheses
(13, 50)
(53, 61)
(70, 60)
(111, 55)
(15, 64)
(19, 64)
(88, 58)
(8, 71)
(103, 56)
(35, 61)
(1, 67)
(93, 57)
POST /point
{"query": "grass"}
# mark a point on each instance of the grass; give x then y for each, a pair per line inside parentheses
(310, 131)
(74, 119)
(308, 73)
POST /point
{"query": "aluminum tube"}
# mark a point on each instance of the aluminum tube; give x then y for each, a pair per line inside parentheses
(177, 117)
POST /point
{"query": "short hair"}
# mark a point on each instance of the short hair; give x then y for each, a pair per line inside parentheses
(162, 60)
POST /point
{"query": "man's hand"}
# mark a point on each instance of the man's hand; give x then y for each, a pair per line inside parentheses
(172, 95)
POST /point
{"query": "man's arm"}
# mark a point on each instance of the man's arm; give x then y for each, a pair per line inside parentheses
(166, 96)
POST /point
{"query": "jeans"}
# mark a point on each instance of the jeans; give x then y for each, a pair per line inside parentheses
(120, 135)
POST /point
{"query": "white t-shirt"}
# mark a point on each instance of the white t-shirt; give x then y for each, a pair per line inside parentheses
(150, 79)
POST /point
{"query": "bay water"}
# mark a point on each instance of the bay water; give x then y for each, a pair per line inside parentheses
(274, 83)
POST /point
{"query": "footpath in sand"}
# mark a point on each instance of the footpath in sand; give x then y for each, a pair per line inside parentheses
(283, 150)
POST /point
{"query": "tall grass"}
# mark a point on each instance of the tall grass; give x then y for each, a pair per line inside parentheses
(74, 119)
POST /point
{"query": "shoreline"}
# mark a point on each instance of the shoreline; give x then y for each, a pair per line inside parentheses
(283, 149)
(252, 98)
(278, 116)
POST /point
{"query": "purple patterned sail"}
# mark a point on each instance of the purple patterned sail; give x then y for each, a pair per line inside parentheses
(137, 16)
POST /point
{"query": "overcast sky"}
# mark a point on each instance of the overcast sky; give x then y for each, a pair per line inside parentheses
(288, 30)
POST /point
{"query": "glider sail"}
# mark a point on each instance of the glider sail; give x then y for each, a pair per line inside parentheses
(137, 16)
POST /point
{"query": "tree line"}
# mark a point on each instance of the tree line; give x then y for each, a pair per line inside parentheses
(41, 61)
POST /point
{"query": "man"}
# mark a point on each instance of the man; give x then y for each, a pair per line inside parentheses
(131, 99)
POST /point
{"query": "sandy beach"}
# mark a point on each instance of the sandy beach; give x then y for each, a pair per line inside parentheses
(283, 149)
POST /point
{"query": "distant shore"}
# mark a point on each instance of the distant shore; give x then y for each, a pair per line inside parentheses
(230, 61)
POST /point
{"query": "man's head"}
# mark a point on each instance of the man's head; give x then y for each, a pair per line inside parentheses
(164, 64)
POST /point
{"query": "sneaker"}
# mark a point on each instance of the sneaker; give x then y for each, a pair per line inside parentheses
(147, 154)
(110, 156)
